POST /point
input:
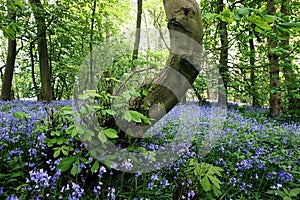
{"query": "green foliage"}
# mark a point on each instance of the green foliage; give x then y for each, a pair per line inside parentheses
(207, 175)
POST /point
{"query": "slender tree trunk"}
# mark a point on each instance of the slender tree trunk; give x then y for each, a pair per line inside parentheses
(138, 30)
(289, 74)
(255, 101)
(275, 95)
(223, 61)
(31, 46)
(45, 73)
(6, 92)
(147, 31)
(91, 85)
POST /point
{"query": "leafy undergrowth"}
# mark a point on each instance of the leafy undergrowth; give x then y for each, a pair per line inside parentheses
(254, 157)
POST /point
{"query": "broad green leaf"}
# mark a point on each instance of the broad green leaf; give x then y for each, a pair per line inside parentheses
(127, 116)
(102, 137)
(70, 129)
(136, 94)
(56, 153)
(242, 11)
(290, 25)
(222, 18)
(21, 115)
(145, 92)
(66, 163)
(20, 4)
(295, 192)
(205, 184)
(264, 26)
(136, 116)
(83, 96)
(110, 133)
(110, 112)
(74, 170)
(95, 166)
(215, 181)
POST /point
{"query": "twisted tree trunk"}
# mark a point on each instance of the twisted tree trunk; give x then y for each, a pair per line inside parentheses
(183, 64)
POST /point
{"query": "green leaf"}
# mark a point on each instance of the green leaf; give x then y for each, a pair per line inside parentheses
(66, 153)
(66, 163)
(83, 96)
(290, 25)
(56, 153)
(21, 115)
(20, 4)
(127, 116)
(136, 94)
(136, 116)
(215, 181)
(110, 112)
(264, 26)
(102, 137)
(95, 166)
(295, 192)
(110, 133)
(16, 174)
(74, 170)
(205, 184)
(145, 92)
(242, 11)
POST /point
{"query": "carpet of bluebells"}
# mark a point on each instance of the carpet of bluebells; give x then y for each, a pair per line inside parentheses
(254, 158)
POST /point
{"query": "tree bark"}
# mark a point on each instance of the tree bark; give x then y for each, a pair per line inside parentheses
(138, 30)
(275, 107)
(6, 92)
(289, 74)
(37, 92)
(91, 74)
(223, 61)
(45, 73)
(255, 101)
(183, 64)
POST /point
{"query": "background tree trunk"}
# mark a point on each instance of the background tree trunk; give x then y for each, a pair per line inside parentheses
(289, 74)
(45, 73)
(91, 74)
(6, 92)
(138, 30)
(255, 101)
(275, 107)
(223, 61)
